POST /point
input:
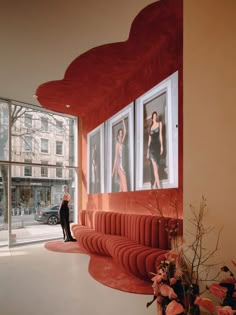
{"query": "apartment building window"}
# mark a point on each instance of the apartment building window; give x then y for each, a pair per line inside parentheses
(28, 169)
(44, 124)
(44, 146)
(59, 147)
(28, 141)
(44, 169)
(28, 120)
(59, 170)
(59, 127)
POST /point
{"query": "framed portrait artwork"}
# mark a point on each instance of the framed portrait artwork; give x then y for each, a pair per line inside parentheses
(95, 160)
(157, 136)
(119, 148)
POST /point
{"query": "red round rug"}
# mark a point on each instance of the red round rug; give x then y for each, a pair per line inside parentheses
(64, 247)
(104, 270)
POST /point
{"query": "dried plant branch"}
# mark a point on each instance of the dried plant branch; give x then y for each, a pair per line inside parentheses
(200, 256)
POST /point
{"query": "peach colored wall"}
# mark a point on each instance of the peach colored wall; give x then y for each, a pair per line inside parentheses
(209, 115)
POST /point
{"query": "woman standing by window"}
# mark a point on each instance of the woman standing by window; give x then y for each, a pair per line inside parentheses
(64, 216)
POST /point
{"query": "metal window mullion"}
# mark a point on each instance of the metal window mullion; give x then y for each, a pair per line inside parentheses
(9, 177)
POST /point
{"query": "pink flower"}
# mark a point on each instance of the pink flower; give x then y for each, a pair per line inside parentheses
(160, 275)
(166, 290)
(174, 308)
(228, 280)
(156, 288)
(172, 255)
(224, 310)
(172, 281)
(157, 278)
(205, 303)
(218, 290)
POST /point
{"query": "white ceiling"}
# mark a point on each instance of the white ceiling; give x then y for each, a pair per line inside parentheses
(40, 38)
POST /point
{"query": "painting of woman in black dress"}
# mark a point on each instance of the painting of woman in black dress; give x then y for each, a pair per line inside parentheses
(154, 144)
(155, 149)
(157, 136)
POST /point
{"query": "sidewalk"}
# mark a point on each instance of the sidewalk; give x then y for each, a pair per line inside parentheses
(31, 233)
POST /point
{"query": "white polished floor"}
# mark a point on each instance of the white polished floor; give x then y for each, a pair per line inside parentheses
(35, 281)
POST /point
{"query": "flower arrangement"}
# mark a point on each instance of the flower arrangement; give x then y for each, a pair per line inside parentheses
(177, 281)
(225, 290)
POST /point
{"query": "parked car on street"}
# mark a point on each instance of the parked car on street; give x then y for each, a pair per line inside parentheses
(50, 214)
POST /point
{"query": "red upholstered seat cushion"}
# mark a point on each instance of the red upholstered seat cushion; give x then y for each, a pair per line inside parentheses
(136, 242)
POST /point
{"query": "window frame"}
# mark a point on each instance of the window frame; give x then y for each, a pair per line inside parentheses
(28, 168)
(26, 143)
(58, 141)
(43, 129)
(28, 120)
(41, 141)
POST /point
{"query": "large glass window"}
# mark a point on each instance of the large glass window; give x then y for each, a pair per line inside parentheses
(4, 131)
(31, 174)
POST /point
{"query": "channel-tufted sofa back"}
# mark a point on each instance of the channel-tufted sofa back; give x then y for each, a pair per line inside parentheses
(147, 230)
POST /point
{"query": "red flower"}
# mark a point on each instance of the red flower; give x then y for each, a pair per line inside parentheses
(205, 303)
(157, 278)
(159, 299)
(174, 308)
(218, 290)
(224, 310)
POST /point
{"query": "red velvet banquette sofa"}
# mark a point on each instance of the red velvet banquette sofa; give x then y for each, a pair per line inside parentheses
(136, 242)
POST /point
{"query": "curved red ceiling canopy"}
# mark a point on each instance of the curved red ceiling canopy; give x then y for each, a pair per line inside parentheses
(121, 72)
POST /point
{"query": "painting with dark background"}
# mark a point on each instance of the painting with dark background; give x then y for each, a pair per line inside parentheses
(157, 104)
(162, 99)
(95, 160)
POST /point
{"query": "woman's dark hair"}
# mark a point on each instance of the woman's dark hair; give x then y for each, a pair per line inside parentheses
(152, 117)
